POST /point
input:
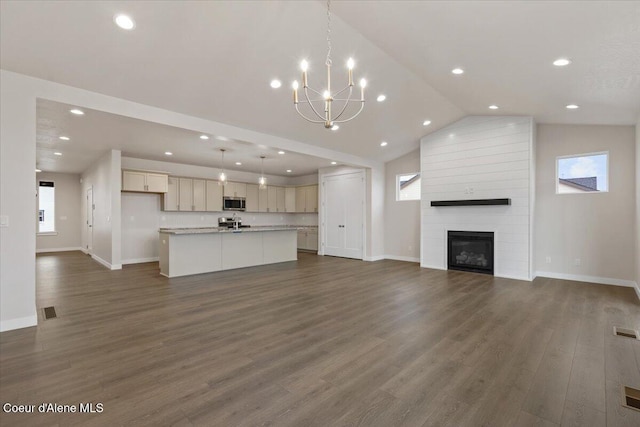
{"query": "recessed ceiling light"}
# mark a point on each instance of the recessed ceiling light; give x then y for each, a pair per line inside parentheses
(493, 107)
(572, 107)
(457, 71)
(289, 171)
(38, 170)
(57, 153)
(238, 163)
(275, 83)
(77, 112)
(381, 98)
(561, 62)
(64, 138)
(335, 127)
(280, 152)
(426, 123)
(125, 22)
(383, 144)
(334, 163)
(204, 137)
(168, 153)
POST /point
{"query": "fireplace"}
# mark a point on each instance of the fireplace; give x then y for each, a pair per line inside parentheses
(470, 251)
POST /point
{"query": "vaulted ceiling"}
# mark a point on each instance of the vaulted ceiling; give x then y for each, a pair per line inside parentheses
(215, 59)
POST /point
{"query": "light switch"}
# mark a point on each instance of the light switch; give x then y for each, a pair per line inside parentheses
(4, 220)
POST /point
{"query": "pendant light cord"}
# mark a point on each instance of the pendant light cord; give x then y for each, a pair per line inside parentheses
(328, 62)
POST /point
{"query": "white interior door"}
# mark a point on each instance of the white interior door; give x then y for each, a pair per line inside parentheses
(343, 215)
(90, 209)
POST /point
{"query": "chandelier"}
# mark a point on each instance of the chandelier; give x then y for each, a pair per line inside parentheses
(326, 99)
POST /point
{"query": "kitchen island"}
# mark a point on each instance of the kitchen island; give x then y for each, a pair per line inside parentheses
(185, 251)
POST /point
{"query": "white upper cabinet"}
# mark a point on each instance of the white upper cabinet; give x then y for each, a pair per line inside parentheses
(214, 196)
(235, 189)
(307, 198)
(263, 200)
(185, 194)
(290, 199)
(144, 182)
(272, 202)
(252, 198)
(280, 199)
(199, 195)
(171, 197)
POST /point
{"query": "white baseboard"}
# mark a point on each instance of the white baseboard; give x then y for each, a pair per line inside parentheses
(402, 258)
(19, 323)
(140, 260)
(105, 263)
(46, 250)
(591, 279)
(433, 267)
(373, 258)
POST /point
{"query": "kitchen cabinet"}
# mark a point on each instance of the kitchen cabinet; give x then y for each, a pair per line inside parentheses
(252, 204)
(213, 197)
(199, 195)
(171, 197)
(185, 194)
(272, 202)
(307, 198)
(290, 199)
(308, 239)
(300, 196)
(263, 198)
(144, 182)
(235, 189)
(280, 199)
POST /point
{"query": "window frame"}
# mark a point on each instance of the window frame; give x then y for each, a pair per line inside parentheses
(55, 229)
(397, 184)
(571, 156)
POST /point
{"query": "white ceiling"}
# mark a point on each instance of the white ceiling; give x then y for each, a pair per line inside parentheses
(96, 132)
(214, 60)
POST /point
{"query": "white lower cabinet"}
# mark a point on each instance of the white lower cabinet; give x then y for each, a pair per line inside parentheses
(308, 239)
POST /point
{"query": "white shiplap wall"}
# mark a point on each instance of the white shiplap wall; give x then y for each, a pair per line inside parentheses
(480, 157)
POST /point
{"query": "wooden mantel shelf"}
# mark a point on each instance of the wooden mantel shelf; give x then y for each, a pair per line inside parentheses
(476, 202)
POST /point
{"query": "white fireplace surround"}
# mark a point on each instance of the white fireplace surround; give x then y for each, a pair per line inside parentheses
(480, 157)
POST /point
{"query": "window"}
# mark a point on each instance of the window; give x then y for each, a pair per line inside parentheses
(408, 186)
(583, 173)
(46, 207)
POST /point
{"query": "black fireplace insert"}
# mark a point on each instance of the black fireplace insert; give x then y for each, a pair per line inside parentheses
(470, 251)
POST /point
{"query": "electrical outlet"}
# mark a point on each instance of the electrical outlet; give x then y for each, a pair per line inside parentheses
(548, 260)
(577, 261)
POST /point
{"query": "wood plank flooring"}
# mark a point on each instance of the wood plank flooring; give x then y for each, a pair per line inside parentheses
(320, 342)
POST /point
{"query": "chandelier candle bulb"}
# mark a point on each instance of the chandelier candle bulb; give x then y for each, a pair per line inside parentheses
(295, 92)
(350, 65)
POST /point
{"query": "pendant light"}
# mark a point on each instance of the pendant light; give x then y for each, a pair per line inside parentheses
(222, 178)
(262, 181)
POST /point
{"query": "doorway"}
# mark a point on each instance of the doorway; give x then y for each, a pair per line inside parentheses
(343, 204)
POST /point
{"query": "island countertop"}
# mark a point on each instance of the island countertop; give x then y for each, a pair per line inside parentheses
(253, 229)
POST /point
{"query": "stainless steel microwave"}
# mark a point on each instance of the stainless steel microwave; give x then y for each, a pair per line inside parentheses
(233, 203)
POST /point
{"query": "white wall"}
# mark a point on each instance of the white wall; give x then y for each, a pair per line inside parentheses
(492, 156)
(17, 203)
(597, 228)
(104, 177)
(638, 206)
(402, 228)
(68, 217)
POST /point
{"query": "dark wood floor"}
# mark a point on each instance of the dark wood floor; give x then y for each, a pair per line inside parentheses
(321, 342)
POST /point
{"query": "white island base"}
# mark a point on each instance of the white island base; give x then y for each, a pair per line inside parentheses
(194, 251)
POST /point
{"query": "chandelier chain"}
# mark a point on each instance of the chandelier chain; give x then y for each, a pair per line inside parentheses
(328, 62)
